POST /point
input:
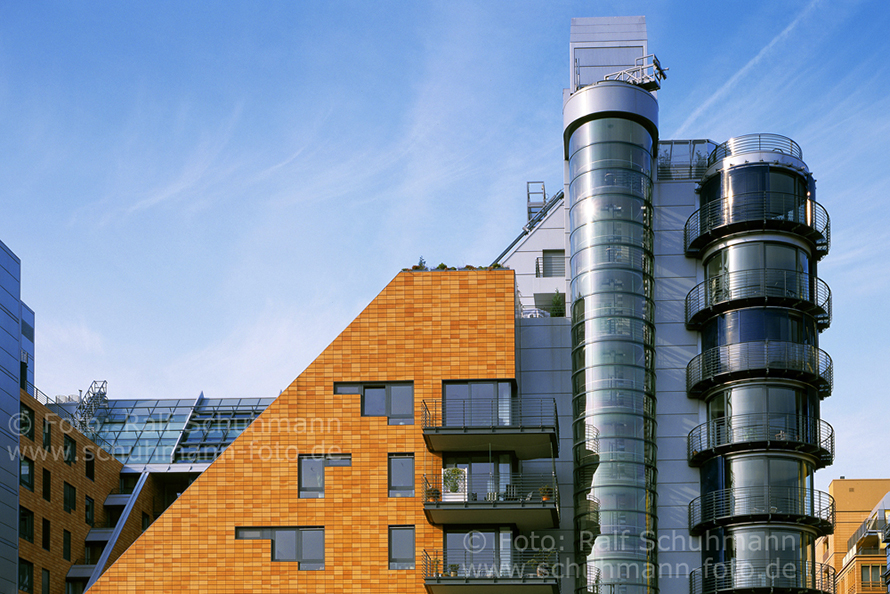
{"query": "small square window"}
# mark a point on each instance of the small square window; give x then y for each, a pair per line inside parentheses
(47, 484)
(26, 421)
(66, 545)
(70, 497)
(69, 451)
(401, 475)
(311, 473)
(45, 534)
(401, 547)
(26, 524)
(26, 473)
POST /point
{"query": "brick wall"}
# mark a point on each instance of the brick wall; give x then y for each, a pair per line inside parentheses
(424, 327)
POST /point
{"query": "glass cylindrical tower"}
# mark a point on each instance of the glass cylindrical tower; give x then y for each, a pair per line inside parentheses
(610, 134)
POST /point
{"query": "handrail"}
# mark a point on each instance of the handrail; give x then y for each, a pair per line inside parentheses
(494, 413)
(776, 428)
(53, 405)
(716, 507)
(766, 357)
(762, 283)
(766, 208)
(755, 143)
(490, 563)
(763, 574)
(453, 485)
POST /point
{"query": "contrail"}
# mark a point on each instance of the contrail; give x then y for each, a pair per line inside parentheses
(719, 93)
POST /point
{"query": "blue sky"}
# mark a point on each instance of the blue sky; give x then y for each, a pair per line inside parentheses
(204, 194)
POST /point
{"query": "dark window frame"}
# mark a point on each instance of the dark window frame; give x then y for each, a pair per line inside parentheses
(89, 457)
(329, 460)
(66, 545)
(46, 534)
(400, 490)
(402, 563)
(69, 497)
(26, 576)
(69, 451)
(26, 421)
(26, 524)
(280, 533)
(89, 510)
(26, 477)
(44, 581)
(47, 484)
(47, 435)
(360, 388)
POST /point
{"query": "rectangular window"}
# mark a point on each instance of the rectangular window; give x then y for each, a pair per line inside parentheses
(44, 581)
(26, 576)
(89, 511)
(45, 534)
(26, 474)
(482, 404)
(47, 484)
(69, 451)
(401, 475)
(146, 521)
(70, 497)
(553, 264)
(66, 545)
(401, 547)
(26, 421)
(303, 545)
(394, 401)
(47, 435)
(26, 524)
(89, 457)
(311, 469)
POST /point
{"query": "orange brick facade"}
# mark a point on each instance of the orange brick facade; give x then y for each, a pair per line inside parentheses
(106, 480)
(425, 327)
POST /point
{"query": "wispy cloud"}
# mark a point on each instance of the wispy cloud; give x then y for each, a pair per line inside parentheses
(743, 71)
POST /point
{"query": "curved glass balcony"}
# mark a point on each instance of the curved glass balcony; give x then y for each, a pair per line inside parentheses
(755, 143)
(761, 286)
(762, 503)
(762, 431)
(773, 575)
(760, 359)
(759, 210)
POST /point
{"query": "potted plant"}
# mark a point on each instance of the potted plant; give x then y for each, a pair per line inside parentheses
(435, 566)
(453, 569)
(452, 479)
(546, 492)
(433, 494)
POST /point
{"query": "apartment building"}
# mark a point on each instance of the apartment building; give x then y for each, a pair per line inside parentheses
(627, 401)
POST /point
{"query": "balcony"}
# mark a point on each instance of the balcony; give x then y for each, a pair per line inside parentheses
(762, 431)
(530, 501)
(762, 576)
(762, 504)
(759, 287)
(527, 427)
(760, 359)
(491, 572)
(759, 211)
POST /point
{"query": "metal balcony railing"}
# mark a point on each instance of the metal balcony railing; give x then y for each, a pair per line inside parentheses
(772, 430)
(801, 290)
(550, 267)
(587, 450)
(760, 210)
(493, 413)
(741, 503)
(755, 143)
(589, 582)
(490, 564)
(773, 575)
(454, 485)
(762, 358)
